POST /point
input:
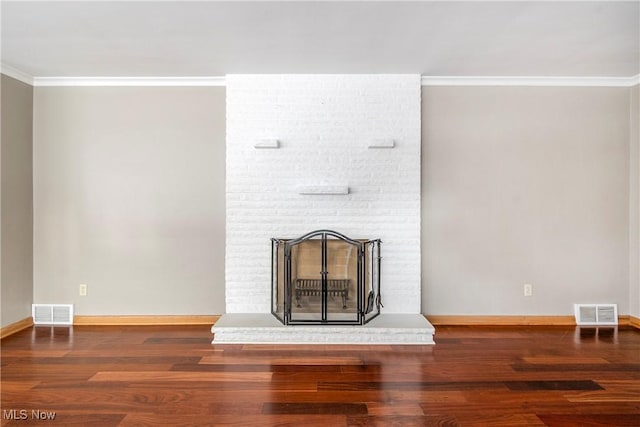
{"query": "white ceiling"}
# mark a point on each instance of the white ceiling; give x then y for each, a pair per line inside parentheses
(214, 38)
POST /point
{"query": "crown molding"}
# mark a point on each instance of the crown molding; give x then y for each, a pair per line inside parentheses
(530, 81)
(8, 70)
(221, 80)
(425, 81)
(129, 81)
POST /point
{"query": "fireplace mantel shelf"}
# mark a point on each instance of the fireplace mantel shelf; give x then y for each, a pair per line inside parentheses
(263, 328)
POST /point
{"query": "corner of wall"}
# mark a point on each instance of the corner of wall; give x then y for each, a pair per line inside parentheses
(634, 201)
(16, 201)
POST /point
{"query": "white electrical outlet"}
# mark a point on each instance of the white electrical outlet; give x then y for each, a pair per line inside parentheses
(83, 290)
(528, 289)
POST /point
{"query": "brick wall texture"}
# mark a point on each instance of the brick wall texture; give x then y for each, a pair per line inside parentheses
(324, 124)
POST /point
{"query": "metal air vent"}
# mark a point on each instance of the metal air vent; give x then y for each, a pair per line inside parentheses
(52, 314)
(596, 314)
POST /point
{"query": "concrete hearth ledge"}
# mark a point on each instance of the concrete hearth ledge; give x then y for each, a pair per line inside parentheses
(263, 328)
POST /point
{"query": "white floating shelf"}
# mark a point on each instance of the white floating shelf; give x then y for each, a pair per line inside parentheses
(323, 189)
(267, 143)
(382, 143)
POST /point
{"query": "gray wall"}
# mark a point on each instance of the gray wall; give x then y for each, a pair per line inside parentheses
(634, 203)
(519, 185)
(16, 205)
(129, 199)
(524, 185)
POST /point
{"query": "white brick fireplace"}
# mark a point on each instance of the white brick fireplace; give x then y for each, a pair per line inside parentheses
(308, 152)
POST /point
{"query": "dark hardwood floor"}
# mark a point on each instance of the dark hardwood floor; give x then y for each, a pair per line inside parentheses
(473, 376)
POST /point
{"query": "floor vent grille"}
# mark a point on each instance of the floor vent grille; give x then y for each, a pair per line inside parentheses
(52, 314)
(596, 314)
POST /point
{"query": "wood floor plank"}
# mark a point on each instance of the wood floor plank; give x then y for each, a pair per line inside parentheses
(79, 371)
(221, 367)
(513, 396)
(431, 397)
(410, 385)
(619, 385)
(186, 420)
(583, 367)
(110, 400)
(298, 361)
(553, 385)
(313, 408)
(500, 420)
(225, 386)
(9, 386)
(241, 408)
(34, 352)
(168, 376)
(563, 360)
(606, 396)
(395, 408)
(403, 421)
(341, 348)
(178, 340)
(591, 420)
(116, 351)
(95, 360)
(527, 404)
(317, 361)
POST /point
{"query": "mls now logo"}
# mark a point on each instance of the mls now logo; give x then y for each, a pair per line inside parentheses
(23, 414)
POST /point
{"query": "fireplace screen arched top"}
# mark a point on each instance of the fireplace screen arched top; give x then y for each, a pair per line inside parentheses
(325, 277)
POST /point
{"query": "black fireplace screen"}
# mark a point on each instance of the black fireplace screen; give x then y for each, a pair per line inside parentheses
(325, 277)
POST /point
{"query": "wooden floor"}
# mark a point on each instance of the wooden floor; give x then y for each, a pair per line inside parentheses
(473, 376)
